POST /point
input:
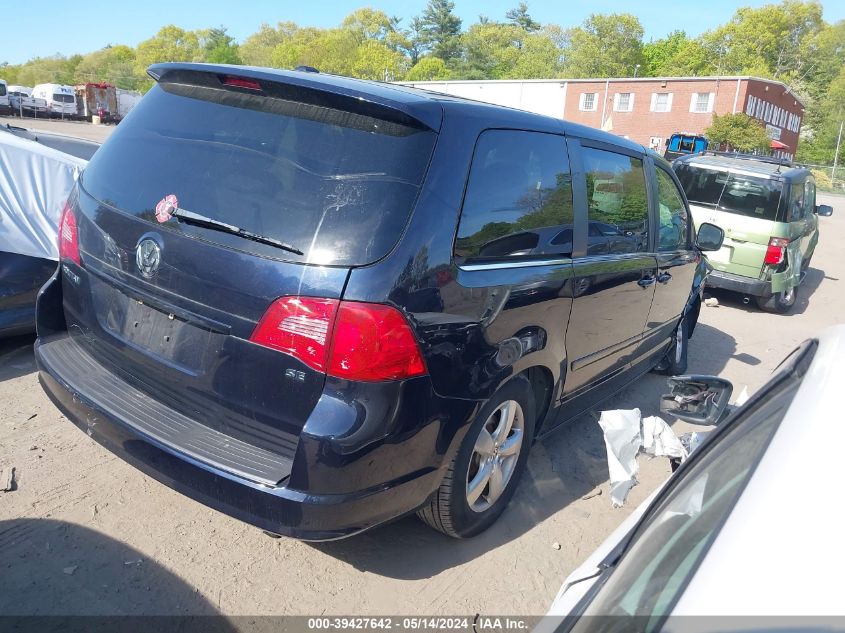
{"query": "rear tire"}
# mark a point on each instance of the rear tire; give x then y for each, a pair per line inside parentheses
(675, 361)
(781, 302)
(485, 473)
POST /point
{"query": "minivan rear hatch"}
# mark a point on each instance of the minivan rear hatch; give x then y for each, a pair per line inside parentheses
(744, 204)
(217, 195)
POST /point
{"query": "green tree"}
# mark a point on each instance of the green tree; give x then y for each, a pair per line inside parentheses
(219, 47)
(170, 44)
(440, 29)
(328, 50)
(605, 46)
(659, 55)
(370, 24)
(428, 69)
(55, 69)
(738, 131)
(257, 49)
(506, 51)
(112, 64)
(375, 60)
(521, 18)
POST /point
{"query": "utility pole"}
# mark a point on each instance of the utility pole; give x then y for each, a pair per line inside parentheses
(836, 154)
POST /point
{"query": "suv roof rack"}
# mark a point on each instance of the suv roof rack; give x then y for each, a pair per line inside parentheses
(742, 156)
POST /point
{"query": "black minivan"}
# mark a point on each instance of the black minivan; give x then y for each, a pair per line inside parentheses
(318, 304)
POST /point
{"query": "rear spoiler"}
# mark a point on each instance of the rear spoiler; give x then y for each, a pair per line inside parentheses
(365, 98)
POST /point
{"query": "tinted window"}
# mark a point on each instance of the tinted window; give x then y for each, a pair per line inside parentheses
(63, 98)
(809, 197)
(337, 185)
(739, 193)
(519, 197)
(796, 201)
(618, 203)
(2, 90)
(673, 214)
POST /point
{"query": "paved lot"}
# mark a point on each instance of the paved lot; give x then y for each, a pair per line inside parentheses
(79, 129)
(86, 533)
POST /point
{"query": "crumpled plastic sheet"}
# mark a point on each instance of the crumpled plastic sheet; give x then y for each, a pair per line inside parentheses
(35, 181)
(626, 433)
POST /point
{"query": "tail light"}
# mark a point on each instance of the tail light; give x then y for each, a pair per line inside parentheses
(345, 339)
(68, 236)
(776, 251)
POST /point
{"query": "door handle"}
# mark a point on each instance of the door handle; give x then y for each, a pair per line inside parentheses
(645, 282)
(664, 277)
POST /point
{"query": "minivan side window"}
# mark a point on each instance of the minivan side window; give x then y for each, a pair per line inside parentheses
(617, 200)
(673, 214)
(518, 200)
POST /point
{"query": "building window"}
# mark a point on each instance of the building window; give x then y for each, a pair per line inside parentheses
(702, 102)
(661, 102)
(624, 102)
(588, 102)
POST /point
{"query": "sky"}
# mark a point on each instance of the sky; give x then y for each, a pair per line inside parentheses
(33, 29)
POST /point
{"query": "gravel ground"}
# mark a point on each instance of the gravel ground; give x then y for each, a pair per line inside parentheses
(84, 533)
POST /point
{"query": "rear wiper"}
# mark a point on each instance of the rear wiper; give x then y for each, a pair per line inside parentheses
(189, 217)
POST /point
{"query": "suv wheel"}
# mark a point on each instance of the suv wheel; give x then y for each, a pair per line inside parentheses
(780, 302)
(484, 474)
(675, 361)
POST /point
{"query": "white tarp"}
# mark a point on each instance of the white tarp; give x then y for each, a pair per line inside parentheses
(35, 181)
(625, 434)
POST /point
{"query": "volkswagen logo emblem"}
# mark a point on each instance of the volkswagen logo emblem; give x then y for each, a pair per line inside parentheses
(148, 257)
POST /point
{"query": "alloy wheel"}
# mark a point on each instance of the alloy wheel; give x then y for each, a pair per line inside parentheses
(495, 455)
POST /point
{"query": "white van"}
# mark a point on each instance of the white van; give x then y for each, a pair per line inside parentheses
(61, 100)
(5, 108)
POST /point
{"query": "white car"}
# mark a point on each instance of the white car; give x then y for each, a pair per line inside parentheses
(750, 525)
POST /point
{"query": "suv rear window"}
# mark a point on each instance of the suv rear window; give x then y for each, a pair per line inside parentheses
(337, 185)
(734, 192)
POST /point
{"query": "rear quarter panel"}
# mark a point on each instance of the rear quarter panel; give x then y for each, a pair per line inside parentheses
(470, 323)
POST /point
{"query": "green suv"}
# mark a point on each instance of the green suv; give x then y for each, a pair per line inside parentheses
(768, 211)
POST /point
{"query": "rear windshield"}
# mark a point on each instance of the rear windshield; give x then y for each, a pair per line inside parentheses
(337, 185)
(739, 193)
(63, 98)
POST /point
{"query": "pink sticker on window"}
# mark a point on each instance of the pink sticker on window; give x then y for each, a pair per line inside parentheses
(166, 207)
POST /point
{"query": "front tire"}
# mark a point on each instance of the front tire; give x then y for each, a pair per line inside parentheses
(484, 474)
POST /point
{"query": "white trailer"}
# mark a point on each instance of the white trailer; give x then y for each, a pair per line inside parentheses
(61, 100)
(541, 95)
(126, 100)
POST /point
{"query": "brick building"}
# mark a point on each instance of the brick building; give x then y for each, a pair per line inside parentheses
(645, 109)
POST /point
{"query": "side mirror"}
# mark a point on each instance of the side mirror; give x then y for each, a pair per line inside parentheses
(697, 399)
(825, 210)
(710, 237)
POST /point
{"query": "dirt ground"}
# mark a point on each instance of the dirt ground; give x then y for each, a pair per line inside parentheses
(84, 533)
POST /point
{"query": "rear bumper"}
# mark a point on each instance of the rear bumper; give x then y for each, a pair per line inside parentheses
(276, 508)
(738, 283)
